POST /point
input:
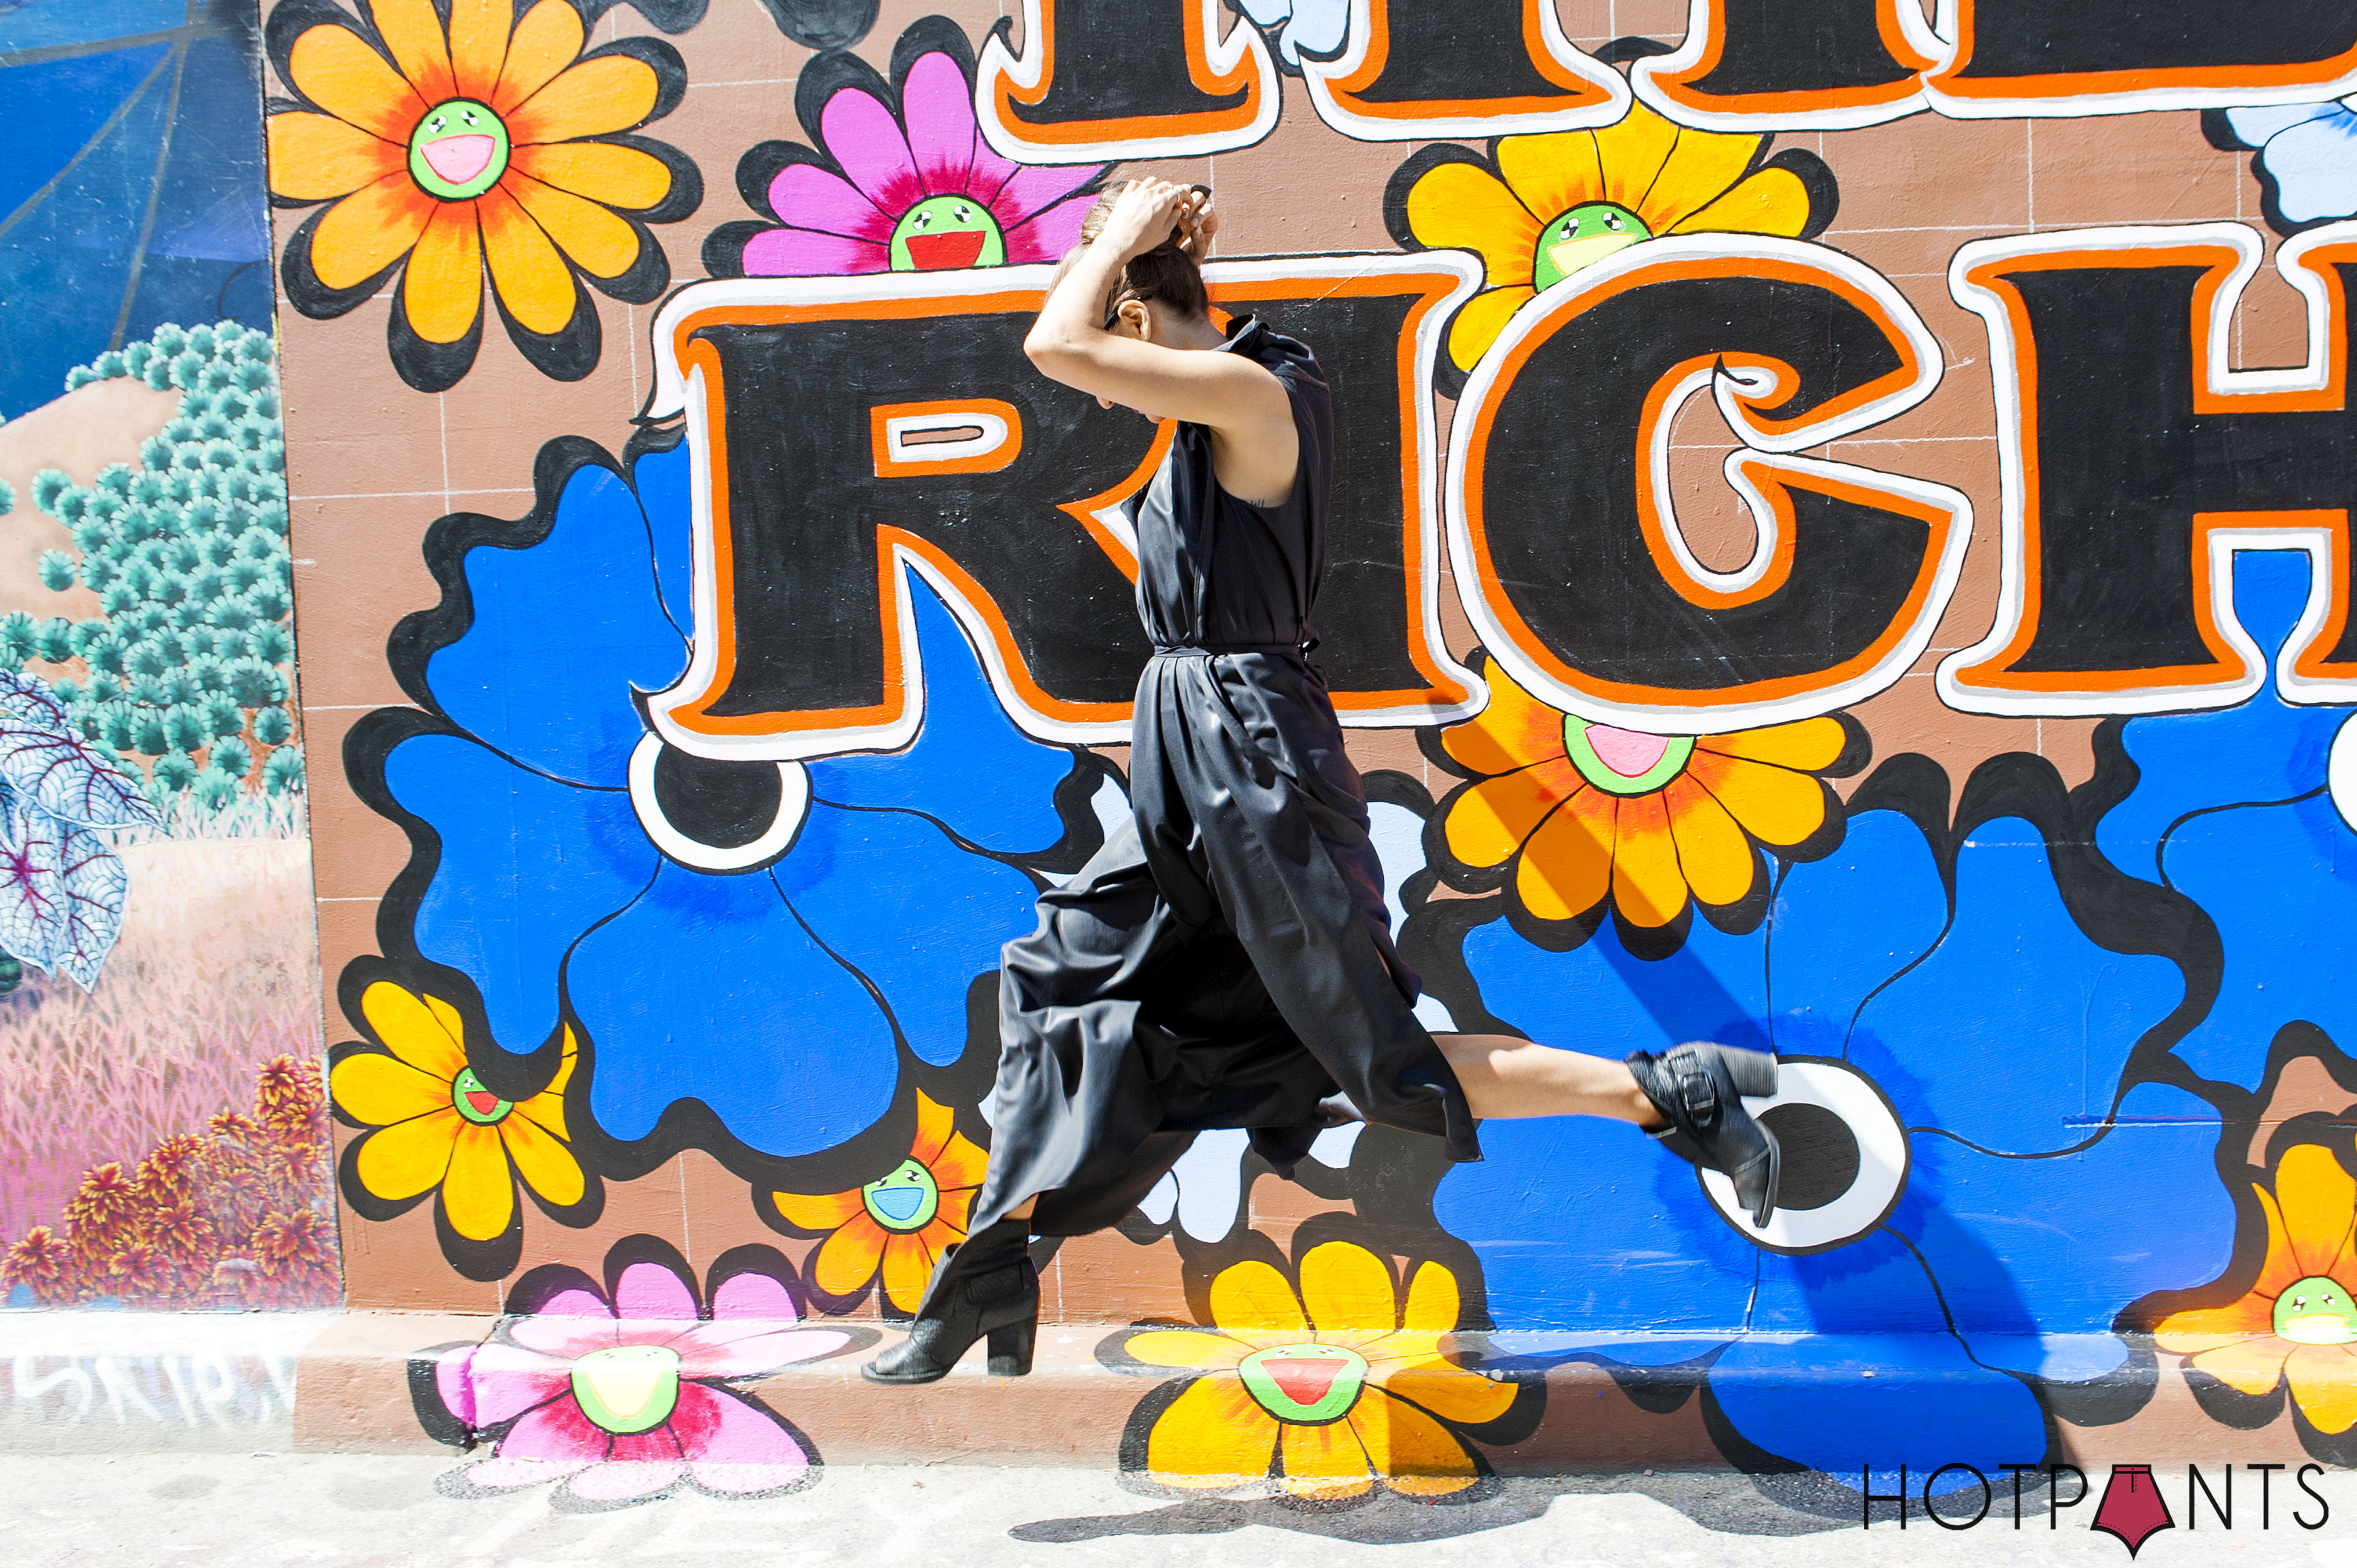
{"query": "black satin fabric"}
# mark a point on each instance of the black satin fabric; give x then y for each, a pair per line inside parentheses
(1225, 960)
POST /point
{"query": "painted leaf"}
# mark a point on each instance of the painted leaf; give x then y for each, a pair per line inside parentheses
(49, 762)
(32, 894)
(92, 884)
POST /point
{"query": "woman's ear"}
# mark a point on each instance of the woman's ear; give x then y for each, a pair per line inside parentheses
(1139, 319)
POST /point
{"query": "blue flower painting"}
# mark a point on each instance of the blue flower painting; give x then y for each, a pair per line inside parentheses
(754, 943)
(2307, 160)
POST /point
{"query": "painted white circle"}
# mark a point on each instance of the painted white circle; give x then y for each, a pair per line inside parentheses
(2341, 771)
(1869, 1192)
(794, 805)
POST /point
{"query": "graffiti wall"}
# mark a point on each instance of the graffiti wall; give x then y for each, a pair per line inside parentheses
(1842, 546)
(162, 1119)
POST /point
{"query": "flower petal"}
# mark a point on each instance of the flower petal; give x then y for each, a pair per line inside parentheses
(505, 1380)
(603, 172)
(567, 1334)
(804, 195)
(1487, 823)
(1484, 316)
(334, 69)
(610, 93)
(1433, 1301)
(1630, 153)
(1775, 805)
(478, 1192)
(2323, 1381)
(441, 290)
(1449, 1392)
(1415, 1452)
(315, 157)
(367, 232)
(731, 1446)
(1346, 1287)
(2207, 1327)
(557, 1432)
(1713, 854)
(478, 45)
(1647, 885)
(935, 1122)
(546, 1166)
(413, 33)
(2313, 168)
(939, 105)
(2251, 1365)
(381, 1089)
(2318, 1198)
(847, 1259)
(1464, 206)
(507, 1475)
(627, 1480)
(960, 1163)
(908, 1264)
(1701, 167)
(1251, 1300)
(1213, 1436)
(1773, 201)
(1184, 1347)
(408, 1158)
(532, 279)
(1035, 187)
(1323, 1462)
(703, 1355)
(547, 1107)
(1046, 236)
(1566, 866)
(755, 1297)
(650, 1293)
(1809, 743)
(548, 39)
(817, 1211)
(1552, 173)
(600, 243)
(1513, 730)
(867, 141)
(805, 252)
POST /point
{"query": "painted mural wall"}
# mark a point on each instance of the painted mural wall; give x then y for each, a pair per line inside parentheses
(1843, 547)
(162, 1119)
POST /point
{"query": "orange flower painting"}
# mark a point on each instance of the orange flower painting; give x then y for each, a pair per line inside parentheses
(890, 1231)
(495, 148)
(2295, 1327)
(1322, 1390)
(1543, 208)
(1587, 811)
(433, 1126)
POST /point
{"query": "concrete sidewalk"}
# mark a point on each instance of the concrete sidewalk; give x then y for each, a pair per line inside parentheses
(380, 1512)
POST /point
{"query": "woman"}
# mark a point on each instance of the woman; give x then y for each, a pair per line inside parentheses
(1225, 960)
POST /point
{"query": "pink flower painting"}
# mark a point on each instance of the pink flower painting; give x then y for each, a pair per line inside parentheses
(626, 1392)
(900, 179)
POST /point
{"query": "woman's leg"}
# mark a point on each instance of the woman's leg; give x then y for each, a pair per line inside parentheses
(1506, 1077)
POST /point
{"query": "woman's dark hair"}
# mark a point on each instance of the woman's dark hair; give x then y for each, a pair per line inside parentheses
(1165, 275)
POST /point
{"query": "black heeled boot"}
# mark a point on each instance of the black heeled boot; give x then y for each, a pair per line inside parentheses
(1700, 1087)
(984, 1285)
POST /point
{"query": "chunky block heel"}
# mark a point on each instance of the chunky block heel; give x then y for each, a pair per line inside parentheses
(1699, 1088)
(1754, 1072)
(1010, 1349)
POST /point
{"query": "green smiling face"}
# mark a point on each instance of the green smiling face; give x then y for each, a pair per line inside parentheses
(2316, 1311)
(906, 1201)
(475, 1102)
(630, 1388)
(1582, 237)
(943, 231)
(1306, 1383)
(458, 151)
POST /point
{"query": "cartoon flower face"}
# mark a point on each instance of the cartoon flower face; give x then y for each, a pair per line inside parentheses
(1333, 1385)
(625, 1397)
(434, 1127)
(901, 180)
(891, 1231)
(1952, 1224)
(1546, 206)
(763, 939)
(488, 146)
(1587, 811)
(2296, 1326)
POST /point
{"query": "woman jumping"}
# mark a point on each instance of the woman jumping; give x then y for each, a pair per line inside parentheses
(1225, 960)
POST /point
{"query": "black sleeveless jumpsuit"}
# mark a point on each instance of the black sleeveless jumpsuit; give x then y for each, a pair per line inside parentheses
(1225, 960)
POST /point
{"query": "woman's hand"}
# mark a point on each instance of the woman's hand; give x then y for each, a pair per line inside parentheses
(1198, 225)
(1144, 216)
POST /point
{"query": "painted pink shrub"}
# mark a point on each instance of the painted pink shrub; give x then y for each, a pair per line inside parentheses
(626, 1392)
(900, 179)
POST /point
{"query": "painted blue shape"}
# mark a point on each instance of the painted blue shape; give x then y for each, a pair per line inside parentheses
(2016, 1021)
(2310, 150)
(662, 479)
(1844, 925)
(1003, 799)
(572, 716)
(708, 989)
(915, 914)
(527, 864)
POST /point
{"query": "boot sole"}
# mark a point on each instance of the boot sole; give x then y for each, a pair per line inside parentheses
(1767, 1210)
